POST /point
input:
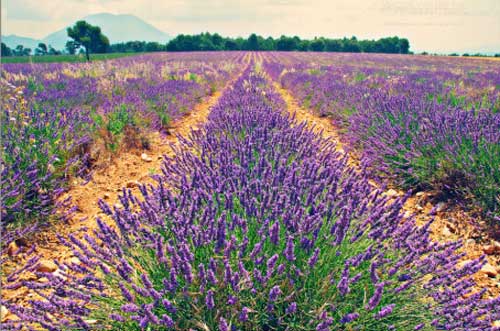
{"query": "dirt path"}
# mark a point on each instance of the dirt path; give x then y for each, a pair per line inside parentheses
(450, 223)
(126, 170)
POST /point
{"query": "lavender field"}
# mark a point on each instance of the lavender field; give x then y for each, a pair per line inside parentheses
(251, 191)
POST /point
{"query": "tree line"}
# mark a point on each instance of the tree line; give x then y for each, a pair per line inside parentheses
(215, 42)
(20, 50)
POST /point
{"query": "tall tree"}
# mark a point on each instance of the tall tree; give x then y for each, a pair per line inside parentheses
(53, 51)
(41, 49)
(333, 45)
(6, 51)
(287, 43)
(89, 37)
(317, 45)
(404, 46)
(70, 47)
(252, 43)
(21, 51)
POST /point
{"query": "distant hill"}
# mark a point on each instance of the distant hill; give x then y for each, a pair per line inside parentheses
(12, 41)
(486, 49)
(118, 28)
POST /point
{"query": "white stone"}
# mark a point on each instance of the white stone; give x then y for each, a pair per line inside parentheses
(145, 157)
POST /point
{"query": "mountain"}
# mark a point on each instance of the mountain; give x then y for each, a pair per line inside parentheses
(12, 41)
(118, 28)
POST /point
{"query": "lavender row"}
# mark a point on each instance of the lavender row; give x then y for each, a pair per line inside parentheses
(428, 123)
(257, 223)
(58, 118)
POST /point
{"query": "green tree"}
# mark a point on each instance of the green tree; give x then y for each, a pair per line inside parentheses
(218, 41)
(41, 49)
(205, 42)
(71, 47)
(230, 45)
(153, 46)
(287, 43)
(333, 45)
(304, 46)
(89, 37)
(404, 46)
(252, 43)
(317, 45)
(53, 51)
(6, 51)
(350, 45)
(267, 44)
(21, 51)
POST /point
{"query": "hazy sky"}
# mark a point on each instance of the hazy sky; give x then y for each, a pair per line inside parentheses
(433, 25)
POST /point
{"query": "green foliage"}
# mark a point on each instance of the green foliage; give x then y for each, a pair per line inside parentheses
(137, 47)
(112, 126)
(20, 50)
(317, 45)
(359, 77)
(89, 37)
(71, 47)
(214, 42)
(41, 49)
(6, 51)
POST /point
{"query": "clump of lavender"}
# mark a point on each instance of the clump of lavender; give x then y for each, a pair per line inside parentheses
(256, 224)
(39, 152)
(422, 128)
(54, 114)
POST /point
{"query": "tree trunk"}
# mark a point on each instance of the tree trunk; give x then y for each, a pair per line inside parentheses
(87, 53)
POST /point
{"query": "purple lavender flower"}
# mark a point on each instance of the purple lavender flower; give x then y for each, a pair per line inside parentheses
(291, 309)
(130, 308)
(274, 232)
(348, 318)
(209, 299)
(243, 317)
(343, 284)
(167, 321)
(377, 296)
(117, 317)
(289, 249)
(325, 325)
(385, 311)
(274, 293)
(223, 326)
(314, 258)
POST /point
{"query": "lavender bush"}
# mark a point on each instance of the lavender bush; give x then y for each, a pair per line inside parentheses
(419, 124)
(259, 224)
(39, 149)
(53, 115)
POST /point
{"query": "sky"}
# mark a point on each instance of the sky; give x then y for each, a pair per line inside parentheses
(440, 26)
